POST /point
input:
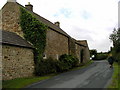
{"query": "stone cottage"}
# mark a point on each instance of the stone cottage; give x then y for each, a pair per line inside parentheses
(17, 56)
(55, 36)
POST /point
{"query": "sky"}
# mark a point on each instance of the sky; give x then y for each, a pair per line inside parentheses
(91, 20)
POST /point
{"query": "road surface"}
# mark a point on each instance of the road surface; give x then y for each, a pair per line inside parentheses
(97, 75)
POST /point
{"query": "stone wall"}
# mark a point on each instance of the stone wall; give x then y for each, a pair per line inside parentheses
(85, 48)
(56, 44)
(86, 54)
(78, 49)
(17, 62)
(72, 47)
(1, 19)
(10, 18)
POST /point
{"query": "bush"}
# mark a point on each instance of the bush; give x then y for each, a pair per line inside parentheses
(69, 60)
(49, 65)
(46, 66)
(75, 61)
(116, 55)
(100, 56)
(61, 66)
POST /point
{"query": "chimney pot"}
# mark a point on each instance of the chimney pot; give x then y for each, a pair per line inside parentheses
(28, 3)
(11, 0)
(29, 6)
(57, 24)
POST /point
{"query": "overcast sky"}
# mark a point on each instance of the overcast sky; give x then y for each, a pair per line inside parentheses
(91, 20)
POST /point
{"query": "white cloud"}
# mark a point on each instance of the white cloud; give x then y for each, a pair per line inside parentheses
(92, 20)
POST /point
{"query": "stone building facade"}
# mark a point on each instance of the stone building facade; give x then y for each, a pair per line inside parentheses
(53, 44)
(85, 50)
(17, 56)
(17, 62)
(58, 42)
(10, 18)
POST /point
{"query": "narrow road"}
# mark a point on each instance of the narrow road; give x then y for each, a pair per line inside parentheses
(97, 75)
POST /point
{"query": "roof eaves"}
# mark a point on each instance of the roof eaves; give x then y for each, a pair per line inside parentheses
(16, 45)
(47, 22)
(80, 44)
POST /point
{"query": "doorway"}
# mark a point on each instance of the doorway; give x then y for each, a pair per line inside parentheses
(81, 55)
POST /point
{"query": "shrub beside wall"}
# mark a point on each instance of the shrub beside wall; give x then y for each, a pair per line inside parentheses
(64, 63)
(35, 32)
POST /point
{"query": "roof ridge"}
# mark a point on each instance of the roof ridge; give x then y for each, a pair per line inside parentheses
(44, 20)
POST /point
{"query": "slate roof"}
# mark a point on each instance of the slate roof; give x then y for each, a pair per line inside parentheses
(83, 42)
(11, 38)
(51, 25)
(46, 22)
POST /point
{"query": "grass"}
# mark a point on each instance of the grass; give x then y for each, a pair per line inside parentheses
(23, 82)
(116, 77)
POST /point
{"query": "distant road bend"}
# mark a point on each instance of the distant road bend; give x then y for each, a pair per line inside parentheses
(97, 75)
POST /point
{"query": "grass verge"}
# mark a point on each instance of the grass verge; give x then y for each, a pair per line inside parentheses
(23, 82)
(116, 77)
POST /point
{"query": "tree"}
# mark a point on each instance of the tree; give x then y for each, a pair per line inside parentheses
(93, 52)
(115, 38)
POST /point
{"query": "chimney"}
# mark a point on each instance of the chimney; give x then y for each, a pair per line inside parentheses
(57, 24)
(11, 0)
(29, 6)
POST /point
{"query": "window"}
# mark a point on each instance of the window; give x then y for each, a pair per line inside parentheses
(44, 56)
(57, 56)
(75, 46)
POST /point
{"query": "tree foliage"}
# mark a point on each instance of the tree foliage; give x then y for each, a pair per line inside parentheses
(115, 38)
(93, 52)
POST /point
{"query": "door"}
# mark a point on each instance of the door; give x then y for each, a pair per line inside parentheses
(81, 55)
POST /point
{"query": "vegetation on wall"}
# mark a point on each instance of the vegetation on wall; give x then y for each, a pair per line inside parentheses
(34, 31)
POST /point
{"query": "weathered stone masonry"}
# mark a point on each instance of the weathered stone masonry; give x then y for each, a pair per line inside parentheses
(17, 62)
(17, 56)
(56, 44)
(10, 18)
